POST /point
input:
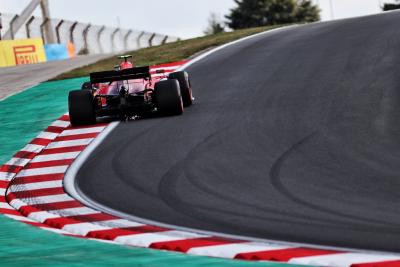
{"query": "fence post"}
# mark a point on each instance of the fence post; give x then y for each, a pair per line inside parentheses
(138, 39)
(98, 38)
(126, 39)
(24, 15)
(112, 39)
(27, 26)
(165, 39)
(151, 39)
(58, 31)
(1, 26)
(48, 29)
(85, 39)
(45, 21)
(71, 32)
(12, 26)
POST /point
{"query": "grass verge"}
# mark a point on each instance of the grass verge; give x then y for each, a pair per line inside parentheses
(167, 53)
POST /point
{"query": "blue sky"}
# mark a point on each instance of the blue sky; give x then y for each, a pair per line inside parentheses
(183, 18)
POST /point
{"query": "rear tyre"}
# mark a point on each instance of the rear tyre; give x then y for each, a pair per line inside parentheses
(186, 90)
(87, 86)
(168, 98)
(81, 108)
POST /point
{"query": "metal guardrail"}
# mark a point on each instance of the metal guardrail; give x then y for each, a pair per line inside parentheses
(92, 38)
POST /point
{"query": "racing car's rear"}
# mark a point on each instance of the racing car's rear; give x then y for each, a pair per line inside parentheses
(163, 97)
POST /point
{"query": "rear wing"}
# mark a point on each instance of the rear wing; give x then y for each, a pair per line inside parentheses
(120, 75)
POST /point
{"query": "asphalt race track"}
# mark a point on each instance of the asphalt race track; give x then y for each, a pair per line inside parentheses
(295, 136)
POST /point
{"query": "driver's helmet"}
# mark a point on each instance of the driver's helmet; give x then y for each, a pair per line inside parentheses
(126, 65)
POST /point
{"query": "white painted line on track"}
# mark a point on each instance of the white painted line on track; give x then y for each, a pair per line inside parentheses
(342, 259)
(83, 228)
(82, 131)
(32, 148)
(58, 156)
(6, 176)
(35, 186)
(47, 135)
(231, 250)
(42, 171)
(145, 240)
(41, 216)
(154, 70)
(4, 205)
(69, 143)
(59, 123)
(17, 203)
(119, 223)
(75, 211)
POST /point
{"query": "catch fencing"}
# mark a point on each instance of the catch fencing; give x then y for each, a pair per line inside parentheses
(87, 38)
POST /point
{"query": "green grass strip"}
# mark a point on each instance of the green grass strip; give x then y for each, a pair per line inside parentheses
(24, 115)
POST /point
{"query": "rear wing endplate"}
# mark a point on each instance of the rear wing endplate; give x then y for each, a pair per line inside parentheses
(120, 75)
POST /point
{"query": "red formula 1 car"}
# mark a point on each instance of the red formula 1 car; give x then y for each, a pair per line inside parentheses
(129, 92)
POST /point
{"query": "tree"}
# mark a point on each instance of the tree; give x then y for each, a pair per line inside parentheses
(214, 25)
(391, 6)
(255, 13)
(307, 12)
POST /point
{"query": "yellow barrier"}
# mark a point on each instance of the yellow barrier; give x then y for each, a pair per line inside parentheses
(19, 52)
